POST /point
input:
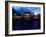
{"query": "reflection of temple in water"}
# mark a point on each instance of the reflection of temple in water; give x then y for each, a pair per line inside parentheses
(26, 18)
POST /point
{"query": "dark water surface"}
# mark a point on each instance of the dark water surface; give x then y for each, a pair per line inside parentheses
(26, 26)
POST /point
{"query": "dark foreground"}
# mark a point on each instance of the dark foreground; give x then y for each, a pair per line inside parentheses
(24, 25)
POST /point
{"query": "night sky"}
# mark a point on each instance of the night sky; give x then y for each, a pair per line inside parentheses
(21, 9)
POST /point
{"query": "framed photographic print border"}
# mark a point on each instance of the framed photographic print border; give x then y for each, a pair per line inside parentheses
(6, 18)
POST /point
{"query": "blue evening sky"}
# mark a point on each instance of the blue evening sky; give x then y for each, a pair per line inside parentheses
(21, 9)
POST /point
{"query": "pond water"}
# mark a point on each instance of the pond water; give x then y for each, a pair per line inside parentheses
(26, 26)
